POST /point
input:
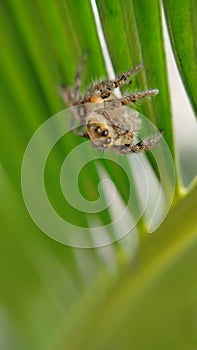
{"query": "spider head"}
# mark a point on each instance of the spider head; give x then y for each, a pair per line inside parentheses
(100, 133)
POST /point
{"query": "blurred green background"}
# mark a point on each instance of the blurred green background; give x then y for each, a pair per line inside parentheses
(57, 297)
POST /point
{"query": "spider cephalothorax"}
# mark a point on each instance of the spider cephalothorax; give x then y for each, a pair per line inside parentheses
(104, 117)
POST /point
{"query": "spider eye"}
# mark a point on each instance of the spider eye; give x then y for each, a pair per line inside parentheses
(97, 130)
(105, 132)
(108, 140)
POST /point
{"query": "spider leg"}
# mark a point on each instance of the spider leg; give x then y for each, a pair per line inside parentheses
(106, 86)
(128, 99)
(66, 94)
(144, 145)
(71, 96)
(80, 132)
(79, 113)
(80, 68)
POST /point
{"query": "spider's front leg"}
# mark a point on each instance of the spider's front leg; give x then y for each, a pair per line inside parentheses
(80, 113)
(134, 97)
(71, 96)
(106, 86)
(80, 68)
(128, 99)
(81, 132)
(141, 146)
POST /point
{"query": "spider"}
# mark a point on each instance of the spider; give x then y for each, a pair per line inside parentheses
(110, 125)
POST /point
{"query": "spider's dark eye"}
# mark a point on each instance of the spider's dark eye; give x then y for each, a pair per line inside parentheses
(98, 130)
(108, 140)
(105, 132)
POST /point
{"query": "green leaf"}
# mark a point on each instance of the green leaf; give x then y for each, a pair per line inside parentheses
(156, 297)
(119, 294)
(182, 27)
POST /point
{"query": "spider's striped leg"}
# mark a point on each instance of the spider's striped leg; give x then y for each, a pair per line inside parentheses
(71, 96)
(67, 94)
(128, 99)
(80, 68)
(141, 146)
(106, 86)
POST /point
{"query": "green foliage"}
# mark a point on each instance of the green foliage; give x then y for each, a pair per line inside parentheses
(183, 41)
(58, 297)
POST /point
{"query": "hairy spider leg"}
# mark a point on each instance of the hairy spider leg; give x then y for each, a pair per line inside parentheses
(80, 68)
(143, 145)
(128, 99)
(106, 86)
(72, 96)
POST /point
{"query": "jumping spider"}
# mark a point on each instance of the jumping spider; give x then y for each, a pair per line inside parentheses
(110, 125)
